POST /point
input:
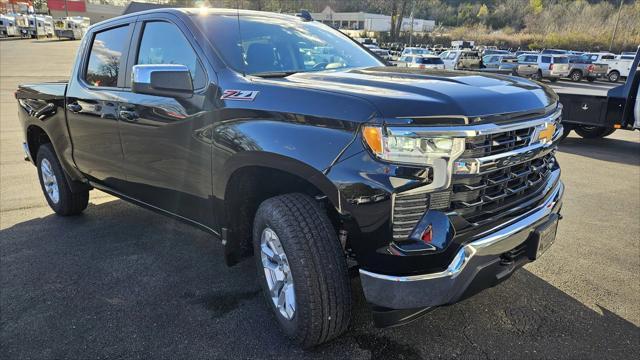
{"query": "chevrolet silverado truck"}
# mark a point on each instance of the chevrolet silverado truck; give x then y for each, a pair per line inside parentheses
(427, 185)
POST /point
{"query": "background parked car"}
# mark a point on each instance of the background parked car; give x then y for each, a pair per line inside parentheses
(461, 59)
(543, 66)
(554, 51)
(619, 66)
(415, 51)
(422, 62)
(583, 67)
(501, 62)
(382, 53)
(494, 52)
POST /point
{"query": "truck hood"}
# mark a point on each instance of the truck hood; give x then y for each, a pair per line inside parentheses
(398, 92)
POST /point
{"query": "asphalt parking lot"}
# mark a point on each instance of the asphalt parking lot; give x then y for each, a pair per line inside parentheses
(121, 281)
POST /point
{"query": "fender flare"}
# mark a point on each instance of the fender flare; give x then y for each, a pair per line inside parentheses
(277, 162)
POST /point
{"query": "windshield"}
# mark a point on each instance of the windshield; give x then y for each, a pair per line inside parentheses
(279, 45)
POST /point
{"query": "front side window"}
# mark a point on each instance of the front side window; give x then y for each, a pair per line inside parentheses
(104, 59)
(163, 43)
(261, 44)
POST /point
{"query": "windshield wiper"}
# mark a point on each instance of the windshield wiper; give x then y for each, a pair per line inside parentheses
(274, 74)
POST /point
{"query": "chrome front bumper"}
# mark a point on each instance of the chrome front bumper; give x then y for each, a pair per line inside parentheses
(448, 286)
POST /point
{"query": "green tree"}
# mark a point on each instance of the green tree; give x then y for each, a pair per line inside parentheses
(483, 13)
(536, 6)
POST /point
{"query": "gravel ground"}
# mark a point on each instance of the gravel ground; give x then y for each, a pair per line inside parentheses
(120, 281)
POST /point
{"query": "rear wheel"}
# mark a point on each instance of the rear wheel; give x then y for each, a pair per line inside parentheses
(55, 187)
(593, 132)
(613, 76)
(302, 268)
(575, 76)
(537, 76)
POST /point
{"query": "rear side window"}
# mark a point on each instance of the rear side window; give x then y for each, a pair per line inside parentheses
(560, 60)
(546, 59)
(163, 43)
(104, 59)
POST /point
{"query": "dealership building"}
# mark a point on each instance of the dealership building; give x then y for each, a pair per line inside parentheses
(369, 22)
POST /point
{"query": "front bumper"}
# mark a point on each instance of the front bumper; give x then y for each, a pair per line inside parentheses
(477, 265)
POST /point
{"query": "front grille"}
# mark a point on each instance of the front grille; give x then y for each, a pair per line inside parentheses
(492, 144)
(481, 197)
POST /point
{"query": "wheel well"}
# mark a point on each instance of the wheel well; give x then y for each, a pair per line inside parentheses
(36, 137)
(248, 187)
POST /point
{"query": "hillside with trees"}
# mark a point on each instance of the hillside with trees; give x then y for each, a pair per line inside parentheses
(571, 24)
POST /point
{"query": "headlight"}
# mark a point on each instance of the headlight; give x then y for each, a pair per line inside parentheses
(409, 148)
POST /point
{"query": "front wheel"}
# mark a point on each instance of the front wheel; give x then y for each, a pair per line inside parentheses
(575, 76)
(55, 187)
(613, 76)
(302, 269)
(593, 132)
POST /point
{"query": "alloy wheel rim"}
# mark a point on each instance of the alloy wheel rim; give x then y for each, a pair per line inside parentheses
(277, 273)
(49, 181)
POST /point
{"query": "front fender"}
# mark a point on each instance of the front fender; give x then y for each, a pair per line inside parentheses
(304, 146)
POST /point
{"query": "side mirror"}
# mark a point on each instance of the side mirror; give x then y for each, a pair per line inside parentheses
(162, 80)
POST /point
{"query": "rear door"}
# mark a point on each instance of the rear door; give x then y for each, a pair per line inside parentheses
(93, 98)
(527, 65)
(166, 141)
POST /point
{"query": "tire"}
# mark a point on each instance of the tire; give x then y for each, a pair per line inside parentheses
(537, 76)
(314, 259)
(613, 76)
(55, 187)
(591, 79)
(575, 76)
(593, 132)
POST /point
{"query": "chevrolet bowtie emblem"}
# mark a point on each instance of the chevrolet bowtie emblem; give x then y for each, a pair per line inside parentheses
(544, 133)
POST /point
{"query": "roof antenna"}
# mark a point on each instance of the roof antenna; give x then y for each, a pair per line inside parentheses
(244, 72)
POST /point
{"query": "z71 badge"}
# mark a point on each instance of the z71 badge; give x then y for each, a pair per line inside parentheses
(243, 95)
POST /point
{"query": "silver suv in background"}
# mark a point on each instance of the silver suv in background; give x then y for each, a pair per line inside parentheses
(543, 66)
(421, 62)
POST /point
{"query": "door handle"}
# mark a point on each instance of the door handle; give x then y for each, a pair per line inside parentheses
(128, 115)
(74, 107)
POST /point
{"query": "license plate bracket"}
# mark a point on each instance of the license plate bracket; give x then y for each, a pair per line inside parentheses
(543, 237)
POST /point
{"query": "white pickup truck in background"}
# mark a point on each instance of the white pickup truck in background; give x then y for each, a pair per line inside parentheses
(619, 65)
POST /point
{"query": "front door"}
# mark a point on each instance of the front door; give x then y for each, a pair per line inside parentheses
(93, 99)
(166, 141)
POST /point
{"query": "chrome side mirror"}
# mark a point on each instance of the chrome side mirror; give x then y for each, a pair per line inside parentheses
(168, 80)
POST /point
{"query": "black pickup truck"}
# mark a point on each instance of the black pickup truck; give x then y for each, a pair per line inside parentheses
(288, 141)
